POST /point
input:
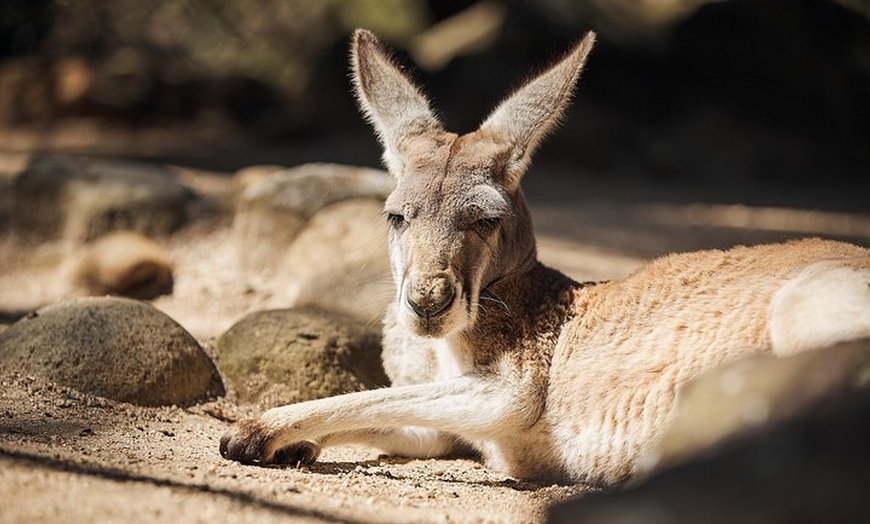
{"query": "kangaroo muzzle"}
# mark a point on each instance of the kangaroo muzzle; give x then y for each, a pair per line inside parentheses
(430, 296)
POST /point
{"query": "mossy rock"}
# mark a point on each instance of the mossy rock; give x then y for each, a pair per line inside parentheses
(118, 348)
(284, 356)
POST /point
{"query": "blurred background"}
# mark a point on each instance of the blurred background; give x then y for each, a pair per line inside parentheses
(756, 102)
(697, 123)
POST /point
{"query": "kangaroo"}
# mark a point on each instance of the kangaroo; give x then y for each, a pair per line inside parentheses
(489, 350)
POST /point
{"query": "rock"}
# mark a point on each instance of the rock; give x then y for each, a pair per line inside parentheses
(251, 174)
(805, 460)
(284, 356)
(339, 261)
(736, 400)
(274, 206)
(117, 348)
(121, 263)
(76, 200)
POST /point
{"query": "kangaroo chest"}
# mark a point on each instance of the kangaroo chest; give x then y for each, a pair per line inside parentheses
(452, 359)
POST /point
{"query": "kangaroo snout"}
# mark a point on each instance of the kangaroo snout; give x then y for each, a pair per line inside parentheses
(429, 296)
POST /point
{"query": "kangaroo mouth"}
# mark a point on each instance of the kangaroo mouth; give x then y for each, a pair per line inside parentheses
(431, 324)
(434, 308)
(440, 318)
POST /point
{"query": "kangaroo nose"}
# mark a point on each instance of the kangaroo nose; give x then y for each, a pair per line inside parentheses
(431, 300)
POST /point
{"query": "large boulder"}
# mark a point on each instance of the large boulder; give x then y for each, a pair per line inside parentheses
(117, 348)
(78, 200)
(274, 205)
(284, 356)
(339, 261)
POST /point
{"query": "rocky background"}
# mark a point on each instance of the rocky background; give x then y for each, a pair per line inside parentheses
(191, 231)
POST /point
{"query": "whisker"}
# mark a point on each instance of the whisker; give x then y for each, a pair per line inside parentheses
(497, 301)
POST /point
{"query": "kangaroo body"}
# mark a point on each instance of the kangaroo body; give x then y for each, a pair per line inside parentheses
(490, 351)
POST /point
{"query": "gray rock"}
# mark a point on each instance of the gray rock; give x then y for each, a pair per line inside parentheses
(291, 355)
(274, 205)
(117, 348)
(62, 197)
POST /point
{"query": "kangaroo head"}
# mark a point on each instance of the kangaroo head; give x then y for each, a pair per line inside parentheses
(458, 219)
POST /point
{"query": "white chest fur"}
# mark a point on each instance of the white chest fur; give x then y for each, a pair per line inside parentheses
(452, 359)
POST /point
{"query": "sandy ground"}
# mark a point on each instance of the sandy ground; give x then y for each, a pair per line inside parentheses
(70, 457)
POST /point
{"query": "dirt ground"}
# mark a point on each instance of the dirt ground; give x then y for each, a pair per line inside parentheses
(69, 457)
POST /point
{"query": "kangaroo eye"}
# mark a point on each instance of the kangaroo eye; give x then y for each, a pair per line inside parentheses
(487, 225)
(396, 220)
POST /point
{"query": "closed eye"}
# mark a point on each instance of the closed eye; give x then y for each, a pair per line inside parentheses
(487, 225)
(396, 220)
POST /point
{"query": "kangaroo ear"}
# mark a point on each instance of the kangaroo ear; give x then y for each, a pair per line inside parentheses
(525, 118)
(396, 107)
